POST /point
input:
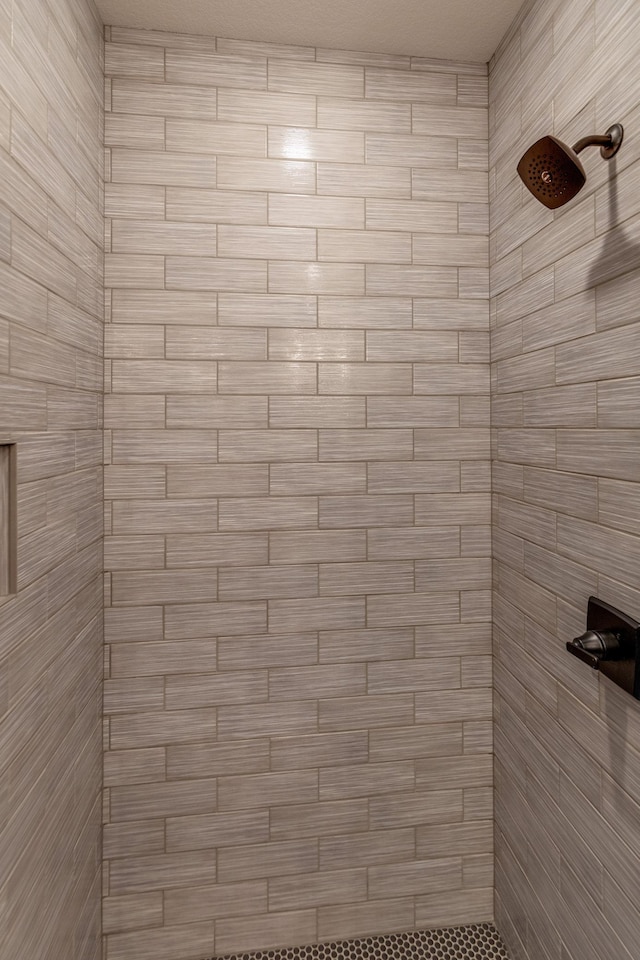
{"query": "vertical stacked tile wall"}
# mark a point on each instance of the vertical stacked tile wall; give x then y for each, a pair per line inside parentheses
(297, 486)
(50, 408)
(566, 352)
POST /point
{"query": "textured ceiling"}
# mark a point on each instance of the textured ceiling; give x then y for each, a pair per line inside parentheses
(448, 29)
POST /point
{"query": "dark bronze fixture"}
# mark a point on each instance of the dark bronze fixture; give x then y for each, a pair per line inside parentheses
(551, 170)
(611, 645)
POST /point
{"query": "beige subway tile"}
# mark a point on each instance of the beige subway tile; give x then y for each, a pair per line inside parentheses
(315, 546)
(369, 444)
(163, 168)
(185, 481)
(131, 626)
(316, 412)
(129, 130)
(151, 446)
(413, 281)
(365, 312)
(134, 60)
(364, 378)
(316, 278)
(406, 609)
(316, 345)
(425, 476)
(318, 79)
(365, 780)
(265, 513)
(466, 574)
(412, 215)
(341, 114)
(150, 236)
(267, 378)
(451, 314)
(133, 912)
(147, 801)
(163, 99)
(441, 707)
(207, 273)
(163, 586)
(163, 306)
(267, 651)
(204, 690)
(192, 411)
(212, 549)
(326, 887)
(267, 311)
(139, 874)
(214, 902)
(367, 848)
(421, 876)
(458, 251)
(200, 136)
(127, 696)
(162, 944)
(315, 750)
(158, 729)
(287, 683)
(122, 271)
(224, 70)
(344, 579)
(455, 839)
(277, 243)
(364, 246)
(132, 553)
(405, 743)
(128, 341)
(291, 616)
(267, 107)
(611, 453)
(403, 676)
(459, 186)
(252, 48)
(215, 206)
(208, 759)
(408, 345)
(411, 151)
(363, 645)
(354, 713)
(439, 378)
(317, 478)
(406, 543)
(415, 809)
(364, 920)
(254, 583)
(187, 621)
(298, 143)
(266, 931)
(365, 511)
(285, 176)
(252, 446)
(125, 767)
(335, 179)
(211, 343)
(441, 411)
(455, 906)
(309, 211)
(153, 659)
(138, 838)
(259, 791)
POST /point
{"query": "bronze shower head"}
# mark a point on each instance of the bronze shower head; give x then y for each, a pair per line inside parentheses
(552, 171)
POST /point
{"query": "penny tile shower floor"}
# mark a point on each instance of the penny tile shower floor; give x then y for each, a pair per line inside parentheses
(478, 941)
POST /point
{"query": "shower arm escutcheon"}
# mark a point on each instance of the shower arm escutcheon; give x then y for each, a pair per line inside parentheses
(609, 143)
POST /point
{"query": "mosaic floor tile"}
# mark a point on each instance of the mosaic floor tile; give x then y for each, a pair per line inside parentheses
(478, 941)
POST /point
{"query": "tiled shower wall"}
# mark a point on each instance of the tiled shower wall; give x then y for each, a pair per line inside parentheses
(297, 486)
(51, 408)
(566, 346)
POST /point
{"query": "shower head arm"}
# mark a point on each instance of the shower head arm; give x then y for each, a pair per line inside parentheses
(609, 143)
(594, 141)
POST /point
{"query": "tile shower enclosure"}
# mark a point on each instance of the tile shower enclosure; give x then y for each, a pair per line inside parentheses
(298, 694)
(297, 494)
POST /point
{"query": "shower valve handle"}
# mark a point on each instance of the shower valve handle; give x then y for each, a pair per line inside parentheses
(594, 646)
